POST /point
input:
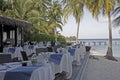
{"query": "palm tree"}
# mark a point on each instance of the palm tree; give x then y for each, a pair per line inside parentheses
(74, 7)
(29, 10)
(44, 14)
(116, 21)
(21, 9)
(104, 7)
(4, 5)
(54, 18)
(1, 5)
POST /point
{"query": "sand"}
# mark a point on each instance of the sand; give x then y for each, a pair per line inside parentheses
(102, 69)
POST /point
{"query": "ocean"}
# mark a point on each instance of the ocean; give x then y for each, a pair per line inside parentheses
(102, 49)
(99, 46)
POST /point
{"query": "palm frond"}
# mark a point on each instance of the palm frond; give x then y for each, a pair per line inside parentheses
(116, 22)
(116, 11)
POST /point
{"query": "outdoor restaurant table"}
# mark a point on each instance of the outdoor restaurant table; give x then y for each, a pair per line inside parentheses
(14, 51)
(15, 71)
(61, 62)
(29, 49)
(77, 53)
(82, 51)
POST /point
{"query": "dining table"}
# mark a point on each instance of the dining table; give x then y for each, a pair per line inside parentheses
(16, 71)
(14, 51)
(61, 62)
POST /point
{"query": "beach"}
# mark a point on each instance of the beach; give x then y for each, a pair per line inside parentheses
(99, 68)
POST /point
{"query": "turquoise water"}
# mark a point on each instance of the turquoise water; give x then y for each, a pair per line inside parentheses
(102, 49)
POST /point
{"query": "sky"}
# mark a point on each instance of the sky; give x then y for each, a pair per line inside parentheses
(90, 28)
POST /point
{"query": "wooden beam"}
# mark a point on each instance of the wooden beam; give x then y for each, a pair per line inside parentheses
(16, 36)
(1, 38)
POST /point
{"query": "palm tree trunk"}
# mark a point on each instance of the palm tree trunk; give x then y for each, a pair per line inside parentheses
(77, 33)
(55, 34)
(109, 54)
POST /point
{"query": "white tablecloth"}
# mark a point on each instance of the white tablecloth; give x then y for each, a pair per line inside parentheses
(65, 65)
(28, 50)
(17, 52)
(82, 51)
(42, 73)
(79, 54)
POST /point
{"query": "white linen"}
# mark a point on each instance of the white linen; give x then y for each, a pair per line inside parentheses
(79, 54)
(30, 51)
(41, 45)
(8, 67)
(48, 44)
(17, 52)
(42, 73)
(82, 51)
(65, 65)
(76, 56)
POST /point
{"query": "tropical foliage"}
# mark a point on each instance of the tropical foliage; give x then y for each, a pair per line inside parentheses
(75, 8)
(46, 15)
(116, 15)
(96, 7)
(104, 7)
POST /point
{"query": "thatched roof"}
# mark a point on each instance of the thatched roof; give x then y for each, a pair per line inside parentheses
(14, 22)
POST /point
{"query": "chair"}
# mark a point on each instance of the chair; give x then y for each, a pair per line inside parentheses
(50, 49)
(38, 50)
(24, 55)
(5, 58)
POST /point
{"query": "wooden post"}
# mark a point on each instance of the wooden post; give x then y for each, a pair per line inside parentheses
(15, 36)
(1, 38)
(22, 42)
(8, 34)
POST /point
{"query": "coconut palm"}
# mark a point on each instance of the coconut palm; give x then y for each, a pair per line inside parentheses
(44, 14)
(29, 10)
(4, 5)
(74, 7)
(116, 21)
(104, 7)
(21, 9)
(54, 17)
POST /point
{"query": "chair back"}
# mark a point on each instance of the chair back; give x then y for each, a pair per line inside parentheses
(5, 58)
(50, 49)
(38, 50)
(24, 55)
